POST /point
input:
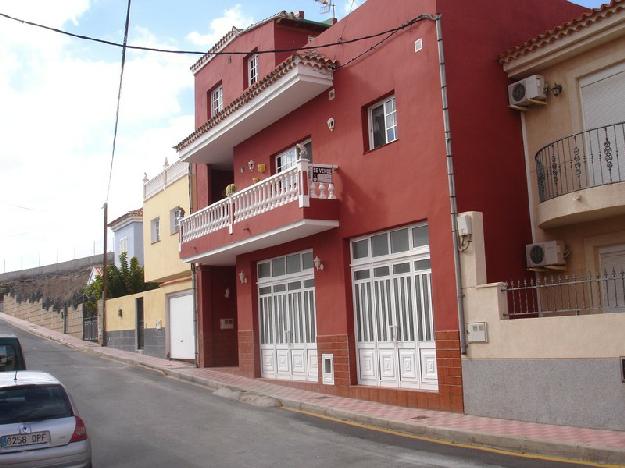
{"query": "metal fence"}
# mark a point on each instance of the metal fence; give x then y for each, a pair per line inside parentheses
(90, 328)
(588, 159)
(567, 295)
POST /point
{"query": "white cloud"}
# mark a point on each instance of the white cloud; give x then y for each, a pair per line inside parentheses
(57, 115)
(219, 27)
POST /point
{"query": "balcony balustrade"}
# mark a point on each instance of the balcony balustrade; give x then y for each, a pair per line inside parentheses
(298, 184)
(587, 159)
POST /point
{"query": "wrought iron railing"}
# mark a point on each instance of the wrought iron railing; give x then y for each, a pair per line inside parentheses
(301, 182)
(567, 295)
(587, 159)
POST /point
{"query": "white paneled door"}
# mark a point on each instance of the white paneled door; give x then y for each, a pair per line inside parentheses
(287, 319)
(392, 287)
(181, 332)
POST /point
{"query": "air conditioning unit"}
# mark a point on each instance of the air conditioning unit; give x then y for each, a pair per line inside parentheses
(545, 254)
(526, 92)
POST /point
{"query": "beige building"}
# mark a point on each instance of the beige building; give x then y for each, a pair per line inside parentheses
(159, 322)
(549, 348)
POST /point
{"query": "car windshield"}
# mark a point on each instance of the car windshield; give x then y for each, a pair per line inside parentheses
(8, 358)
(33, 403)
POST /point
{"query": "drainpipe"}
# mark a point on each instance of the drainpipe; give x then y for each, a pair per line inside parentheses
(193, 273)
(452, 187)
(195, 312)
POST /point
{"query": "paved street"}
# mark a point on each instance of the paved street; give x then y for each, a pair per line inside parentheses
(139, 418)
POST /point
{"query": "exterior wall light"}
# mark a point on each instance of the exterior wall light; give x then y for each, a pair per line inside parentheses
(251, 164)
(242, 277)
(556, 89)
(120, 312)
(318, 264)
(330, 123)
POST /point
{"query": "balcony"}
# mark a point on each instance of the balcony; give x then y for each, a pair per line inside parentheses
(582, 177)
(291, 84)
(168, 176)
(290, 205)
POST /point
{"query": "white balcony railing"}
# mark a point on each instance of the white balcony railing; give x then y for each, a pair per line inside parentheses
(299, 183)
(168, 176)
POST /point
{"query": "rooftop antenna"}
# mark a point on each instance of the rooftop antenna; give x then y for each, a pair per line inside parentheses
(327, 5)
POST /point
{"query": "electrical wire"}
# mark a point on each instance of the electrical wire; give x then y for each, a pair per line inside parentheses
(195, 52)
(119, 97)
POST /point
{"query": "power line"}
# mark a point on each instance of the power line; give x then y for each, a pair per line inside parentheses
(195, 52)
(119, 96)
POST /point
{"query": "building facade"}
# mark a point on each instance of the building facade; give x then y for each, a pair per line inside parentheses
(560, 359)
(159, 322)
(128, 232)
(323, 183)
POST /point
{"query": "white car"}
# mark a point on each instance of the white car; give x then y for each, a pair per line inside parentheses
(39, 424)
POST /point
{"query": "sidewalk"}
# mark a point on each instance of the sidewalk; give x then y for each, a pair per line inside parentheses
(593, 445)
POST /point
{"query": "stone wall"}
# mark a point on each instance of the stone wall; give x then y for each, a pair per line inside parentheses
(49, 318)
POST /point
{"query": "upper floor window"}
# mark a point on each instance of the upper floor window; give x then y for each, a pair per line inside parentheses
(123, 245)
(175, 216)
(217, 100)
(382, 118)
(252, 69)
(289, 157)
(155, 230)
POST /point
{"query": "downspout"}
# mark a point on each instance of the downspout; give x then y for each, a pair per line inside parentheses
(193, 277)
(452, 188)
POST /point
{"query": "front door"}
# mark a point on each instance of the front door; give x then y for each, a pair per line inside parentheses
(391, 279)
(287, 326)
(181, 327)
(139, 321)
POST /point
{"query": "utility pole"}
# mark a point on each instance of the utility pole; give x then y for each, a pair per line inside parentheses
(104, 268)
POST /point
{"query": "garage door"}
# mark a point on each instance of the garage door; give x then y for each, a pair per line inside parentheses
(181, 329)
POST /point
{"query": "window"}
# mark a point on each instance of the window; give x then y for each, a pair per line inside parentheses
(123, 245)
(33, 403)
(216, 100)
(155, 234)
(382, 118)
(175, 216)
(252, 69)
(289, 157)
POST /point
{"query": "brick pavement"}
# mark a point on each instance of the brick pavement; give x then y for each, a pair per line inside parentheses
(601, 446)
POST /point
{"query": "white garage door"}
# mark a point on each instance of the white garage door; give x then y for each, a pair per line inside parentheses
(181, 330)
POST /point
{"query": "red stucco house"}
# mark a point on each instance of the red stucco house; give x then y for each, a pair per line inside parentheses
(322, 186)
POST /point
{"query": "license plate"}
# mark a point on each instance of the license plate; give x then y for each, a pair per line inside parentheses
(20, 440)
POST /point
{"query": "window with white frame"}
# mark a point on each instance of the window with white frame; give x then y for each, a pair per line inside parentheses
(290, 156)
(252, 69)
(123, 245)
(155, 234)
(217, 100)
(382, 118)
(175, 216)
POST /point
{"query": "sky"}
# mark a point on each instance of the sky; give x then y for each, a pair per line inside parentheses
(57, 110)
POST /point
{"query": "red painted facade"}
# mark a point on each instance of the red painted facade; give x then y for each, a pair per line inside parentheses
(397, 184)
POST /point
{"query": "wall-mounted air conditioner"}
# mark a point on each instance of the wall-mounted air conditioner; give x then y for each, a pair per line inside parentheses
(529, 91)
(545, 254)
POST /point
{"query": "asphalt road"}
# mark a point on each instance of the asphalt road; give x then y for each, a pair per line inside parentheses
(140, 418)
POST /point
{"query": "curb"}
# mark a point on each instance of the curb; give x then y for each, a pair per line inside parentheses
(573, 453)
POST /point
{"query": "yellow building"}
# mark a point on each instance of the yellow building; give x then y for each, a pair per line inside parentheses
(159, 322)
(550, 348)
